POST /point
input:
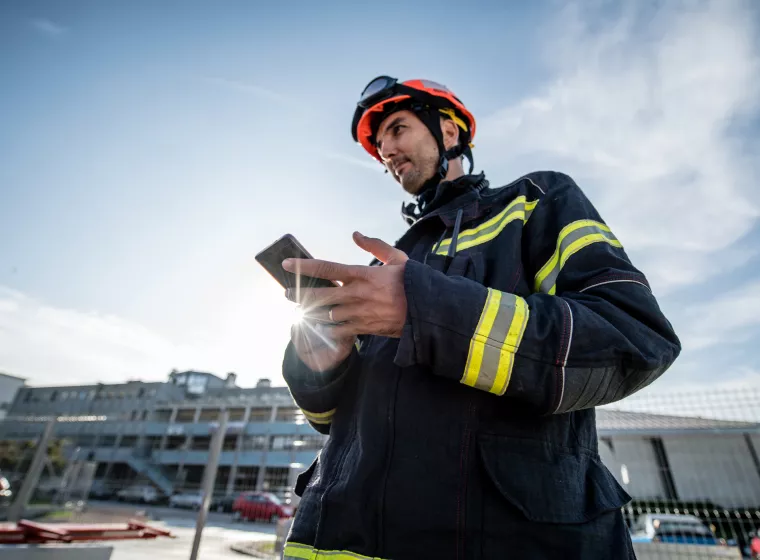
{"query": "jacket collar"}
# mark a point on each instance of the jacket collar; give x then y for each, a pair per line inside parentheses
(446, 196)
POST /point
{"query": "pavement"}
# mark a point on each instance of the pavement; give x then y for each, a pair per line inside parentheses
(219, 535)
(216, 543)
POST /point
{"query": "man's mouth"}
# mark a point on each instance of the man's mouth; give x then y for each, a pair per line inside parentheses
(397, 169)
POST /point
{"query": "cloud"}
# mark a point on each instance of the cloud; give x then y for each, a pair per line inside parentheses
(56, 346)
(732, 317)
(48, 27)
(644, 112)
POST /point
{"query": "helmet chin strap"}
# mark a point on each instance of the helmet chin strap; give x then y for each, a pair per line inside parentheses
(432, 120)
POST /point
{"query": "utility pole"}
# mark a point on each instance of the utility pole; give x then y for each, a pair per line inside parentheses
(209, 476)
(33, 475)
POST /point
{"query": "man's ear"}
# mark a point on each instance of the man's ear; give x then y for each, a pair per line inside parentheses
(450, 132)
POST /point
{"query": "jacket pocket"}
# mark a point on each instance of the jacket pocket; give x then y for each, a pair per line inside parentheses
(549, 484)
(303, 479)
(467, 265)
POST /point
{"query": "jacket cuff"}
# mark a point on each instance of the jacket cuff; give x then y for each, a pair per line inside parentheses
(316, 392)
(442, 313)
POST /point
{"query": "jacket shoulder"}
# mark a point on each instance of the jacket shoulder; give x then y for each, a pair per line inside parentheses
(535, 185)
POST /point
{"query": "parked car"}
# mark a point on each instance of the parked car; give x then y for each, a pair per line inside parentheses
(192, 500)
(223, 503)
(100, 490)
(141, 494)
(673, 528)
(6, 494)
(256, 506)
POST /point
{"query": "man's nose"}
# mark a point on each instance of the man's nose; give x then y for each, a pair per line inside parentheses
(386, 150)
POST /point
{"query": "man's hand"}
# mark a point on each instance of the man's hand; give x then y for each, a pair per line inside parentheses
(370, 299)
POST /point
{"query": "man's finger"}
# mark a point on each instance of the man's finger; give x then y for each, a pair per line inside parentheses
(380, 249)
(338, 332)
(345, 313)
(309, 298)
(321, 269)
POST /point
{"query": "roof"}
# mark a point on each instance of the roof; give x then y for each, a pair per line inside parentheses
(621, 421)
(12, 376)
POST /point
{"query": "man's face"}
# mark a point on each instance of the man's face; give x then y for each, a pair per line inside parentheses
(407, 149)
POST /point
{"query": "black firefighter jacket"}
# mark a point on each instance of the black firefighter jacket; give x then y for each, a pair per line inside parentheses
(473, 435)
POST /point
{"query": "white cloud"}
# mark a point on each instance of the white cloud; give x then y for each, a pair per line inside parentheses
(640, 112)
(240, 328)
(733, 316)
(55, 346)
(48, 27)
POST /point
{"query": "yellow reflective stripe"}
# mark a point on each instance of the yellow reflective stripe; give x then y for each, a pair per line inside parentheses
(490, 228)
(576, 246)
(305, 552)
(497, 337)
(478, 341)
(573, 237)
(511, 344)
(319, 417)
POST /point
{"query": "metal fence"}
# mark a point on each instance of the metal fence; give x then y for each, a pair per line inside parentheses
(689, 460)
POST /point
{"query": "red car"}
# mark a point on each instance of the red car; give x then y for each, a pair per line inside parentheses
(254, 506)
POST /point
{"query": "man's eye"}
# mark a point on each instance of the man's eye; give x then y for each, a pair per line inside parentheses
(396, 129)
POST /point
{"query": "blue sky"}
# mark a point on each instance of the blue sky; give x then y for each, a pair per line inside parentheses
(148, 150)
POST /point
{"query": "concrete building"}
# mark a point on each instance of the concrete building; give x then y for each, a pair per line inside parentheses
(9, 384)
(689, 459)
(161, 432)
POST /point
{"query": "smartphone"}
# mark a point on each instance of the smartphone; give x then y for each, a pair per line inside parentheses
(287, 247)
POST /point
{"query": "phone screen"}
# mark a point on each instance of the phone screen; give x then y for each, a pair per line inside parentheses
(284, 248)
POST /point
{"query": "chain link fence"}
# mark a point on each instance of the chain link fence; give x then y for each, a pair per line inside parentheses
(689, 460)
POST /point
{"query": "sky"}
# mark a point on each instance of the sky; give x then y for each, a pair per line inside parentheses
(148, 150)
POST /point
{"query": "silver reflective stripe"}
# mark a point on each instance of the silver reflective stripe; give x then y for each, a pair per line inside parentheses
(489, 367)
(561, 254)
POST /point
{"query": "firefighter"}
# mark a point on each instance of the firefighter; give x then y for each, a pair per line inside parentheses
(457, 374)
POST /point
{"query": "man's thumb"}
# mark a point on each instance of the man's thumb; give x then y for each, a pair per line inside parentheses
(380, 249)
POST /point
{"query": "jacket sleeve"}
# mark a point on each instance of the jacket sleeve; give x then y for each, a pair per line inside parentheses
(590, 333)
(317, 393)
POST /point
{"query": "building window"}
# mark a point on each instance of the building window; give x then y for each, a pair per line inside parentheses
(254, 443)
(162, 415)
(289, 414)
(275, 479)
(209, 415)
(53, 396)
(309, 442)
(175, 442)
(666, 474)
(230, 443)
(246, 478)
(153, 442)
(200, 443)
(85, 441)
(237, 414)
(280, 443)
(107, 441)
(260, 415)
(185, 415)
(128, 441)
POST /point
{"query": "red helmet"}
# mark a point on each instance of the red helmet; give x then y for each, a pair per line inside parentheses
(381, 96)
